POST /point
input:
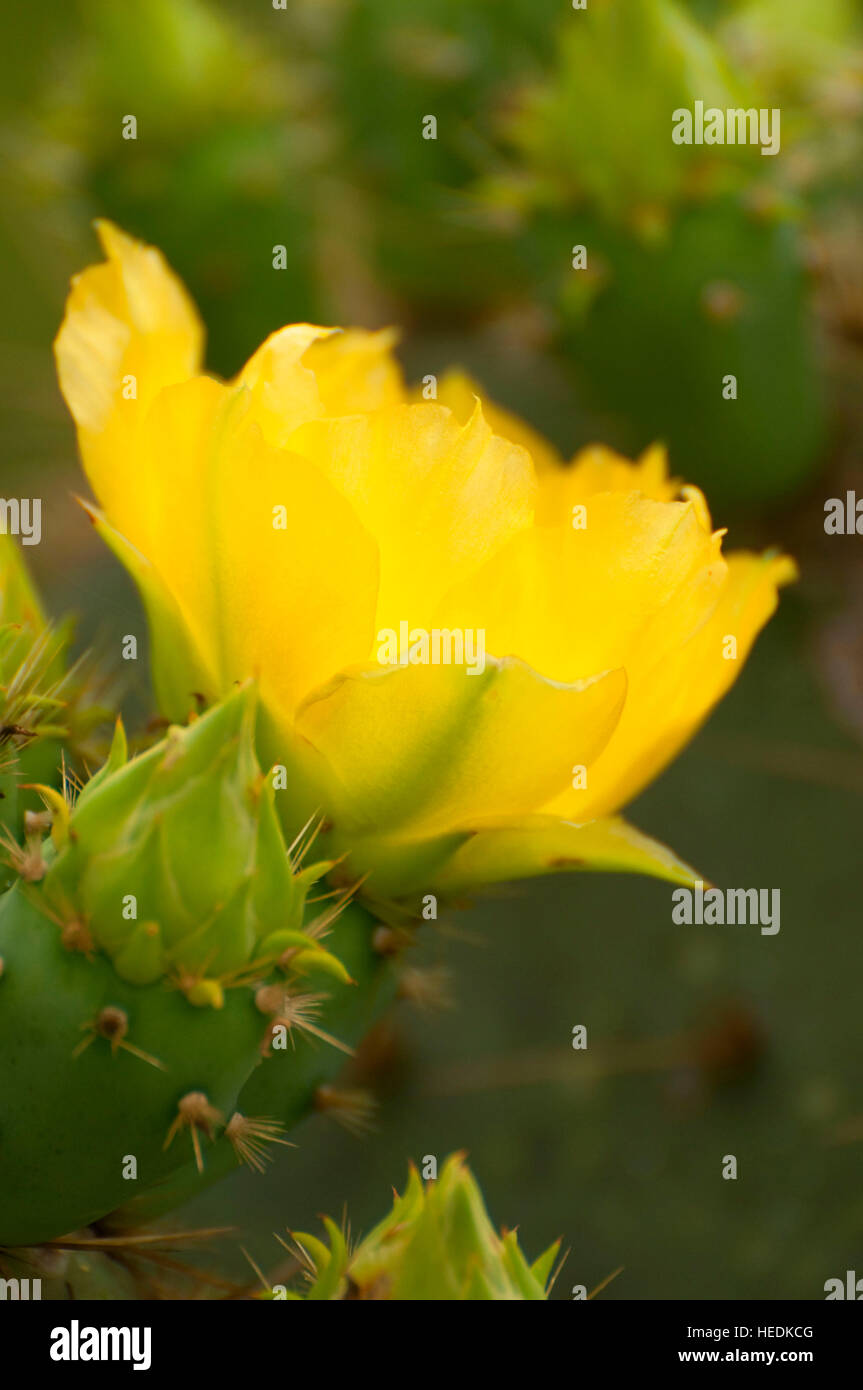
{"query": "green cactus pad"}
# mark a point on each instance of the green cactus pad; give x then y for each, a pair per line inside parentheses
(145, 965)
(69, 1118)
(288, 1081)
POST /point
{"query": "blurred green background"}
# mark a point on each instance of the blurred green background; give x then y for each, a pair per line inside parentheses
(302, 127)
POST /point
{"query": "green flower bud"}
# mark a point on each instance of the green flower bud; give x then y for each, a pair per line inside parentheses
(436, 1244)
(134, 953)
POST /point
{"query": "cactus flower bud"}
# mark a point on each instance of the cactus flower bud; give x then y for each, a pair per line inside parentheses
(132, 956)
(436, 1244)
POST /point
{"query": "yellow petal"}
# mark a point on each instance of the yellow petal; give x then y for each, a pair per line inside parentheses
(438, 497)
(170, 522)
(180, 670)
(294, 574)
(598, 469)
(283, 391)
(544, 845)
(573, 601)
(674, 684)
(234, 528)
(460, 393)
(129, 326)
(356, 371)
(303, 373)
(429, 748)
(231, 529)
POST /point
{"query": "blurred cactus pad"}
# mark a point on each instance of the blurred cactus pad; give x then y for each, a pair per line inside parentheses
(469, 149)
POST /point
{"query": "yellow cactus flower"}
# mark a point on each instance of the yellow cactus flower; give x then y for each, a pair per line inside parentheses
(469, 655)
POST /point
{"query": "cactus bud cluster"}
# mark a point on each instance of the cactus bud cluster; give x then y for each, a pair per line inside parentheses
(161, 918)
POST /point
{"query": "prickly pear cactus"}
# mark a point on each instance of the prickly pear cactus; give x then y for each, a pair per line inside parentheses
(723, 299)
(185, 63)
(170, 925)
(436, 1244)
(690, 294)
(391, 71)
